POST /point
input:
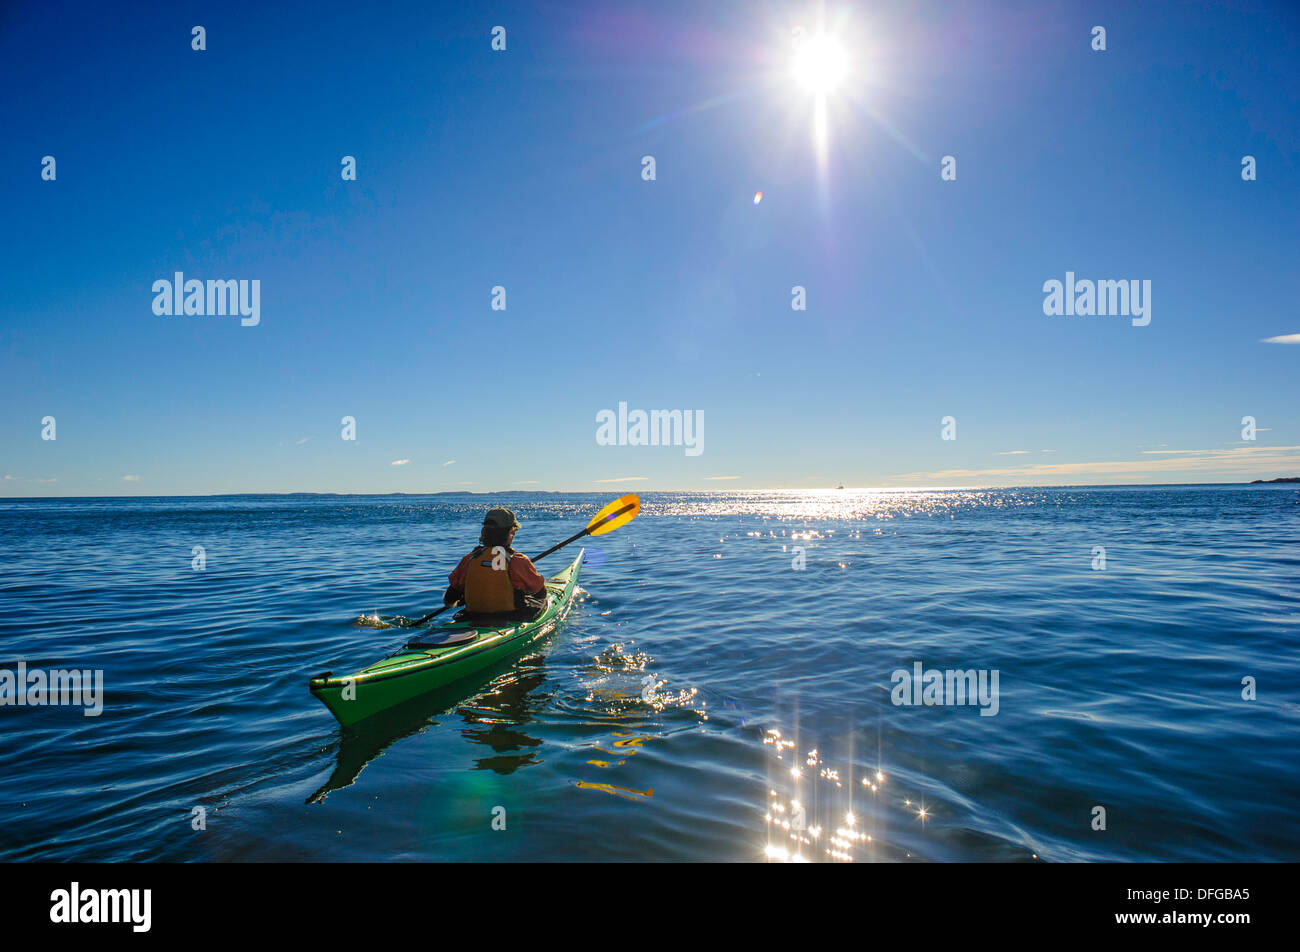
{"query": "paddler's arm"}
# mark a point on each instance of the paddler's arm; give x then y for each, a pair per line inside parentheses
(456, 590)
(525, 577)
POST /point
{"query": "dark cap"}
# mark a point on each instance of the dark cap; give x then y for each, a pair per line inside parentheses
(501, 518)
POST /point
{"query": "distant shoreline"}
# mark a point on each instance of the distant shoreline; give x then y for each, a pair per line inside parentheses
(600, 492)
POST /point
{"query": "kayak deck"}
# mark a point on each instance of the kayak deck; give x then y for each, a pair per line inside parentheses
(414, 671)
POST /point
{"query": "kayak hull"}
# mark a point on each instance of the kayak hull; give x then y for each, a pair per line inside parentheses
(415, 671)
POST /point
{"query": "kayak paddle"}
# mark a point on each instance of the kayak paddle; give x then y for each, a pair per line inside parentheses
(617, 514)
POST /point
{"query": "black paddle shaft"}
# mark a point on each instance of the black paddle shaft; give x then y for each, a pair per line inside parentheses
(556, 548)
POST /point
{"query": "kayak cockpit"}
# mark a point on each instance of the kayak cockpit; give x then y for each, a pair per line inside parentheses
(443, 638)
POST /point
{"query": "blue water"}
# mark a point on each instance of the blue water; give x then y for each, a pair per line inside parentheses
(702, 695)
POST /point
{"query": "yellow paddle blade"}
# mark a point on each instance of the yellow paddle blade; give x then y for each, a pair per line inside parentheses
(618, 513)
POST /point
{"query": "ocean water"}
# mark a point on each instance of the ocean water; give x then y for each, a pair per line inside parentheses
(707, 698)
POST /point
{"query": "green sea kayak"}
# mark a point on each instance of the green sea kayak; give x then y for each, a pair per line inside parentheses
(437, 657)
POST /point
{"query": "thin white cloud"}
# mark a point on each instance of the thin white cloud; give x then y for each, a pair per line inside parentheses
(1245, 460)
(400, 462)
(132, 479)
(1283, 339)
(526, 482)
(621, 479)
(721, 477)
(449, 462)
(1012, 453)
(1247, 448)
(302, 441)
(1047, 451)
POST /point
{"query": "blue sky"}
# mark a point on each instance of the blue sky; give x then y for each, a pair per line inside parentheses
(522, 168)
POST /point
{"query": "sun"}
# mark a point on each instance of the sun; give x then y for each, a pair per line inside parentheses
(820, 64)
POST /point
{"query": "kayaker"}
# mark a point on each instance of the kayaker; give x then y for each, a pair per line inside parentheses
(494, 581)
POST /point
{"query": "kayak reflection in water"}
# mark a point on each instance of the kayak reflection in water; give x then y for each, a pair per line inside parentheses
(496, 583)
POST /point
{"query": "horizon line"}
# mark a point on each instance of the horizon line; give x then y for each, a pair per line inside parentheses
(571, 492)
